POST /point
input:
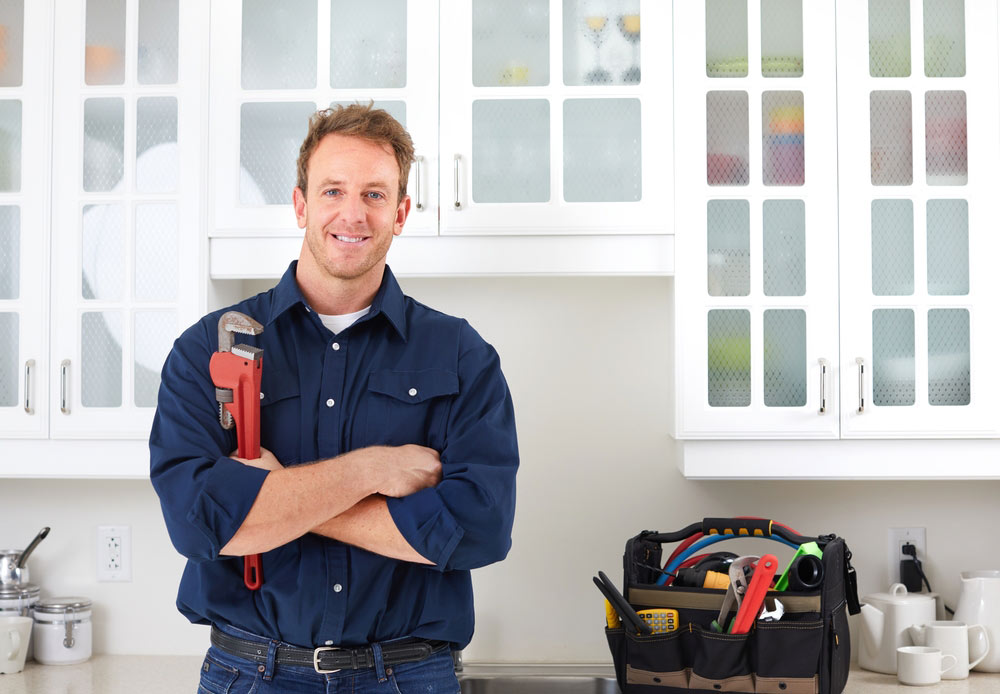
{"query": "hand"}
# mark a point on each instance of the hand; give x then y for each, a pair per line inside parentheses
(266, 461)
(408, 469)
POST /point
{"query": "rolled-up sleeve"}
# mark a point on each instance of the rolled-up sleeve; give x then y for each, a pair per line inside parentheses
(465, 521)
(204, 494)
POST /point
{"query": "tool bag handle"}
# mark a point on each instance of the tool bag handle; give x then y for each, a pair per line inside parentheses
(741, 527)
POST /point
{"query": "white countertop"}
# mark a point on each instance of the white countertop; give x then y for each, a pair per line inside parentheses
(123, 674)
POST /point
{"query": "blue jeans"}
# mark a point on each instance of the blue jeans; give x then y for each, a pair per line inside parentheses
(222, 673)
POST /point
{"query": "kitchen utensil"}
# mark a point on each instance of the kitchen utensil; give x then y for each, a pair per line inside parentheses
(42, 534)
(62, 633)
(953, 638)
(15, 634)
(920, 665)
(885, 618)
(979, 603)
(12, 561)
(625, 611)
(18, 600)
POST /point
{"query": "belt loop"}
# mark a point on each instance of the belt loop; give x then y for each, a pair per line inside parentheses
(379, 665)
(272, 651)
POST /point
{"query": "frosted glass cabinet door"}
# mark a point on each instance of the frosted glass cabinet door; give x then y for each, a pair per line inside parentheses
(274, 64)
(125, 246)
(24, 180)
(917, 108)
(755, 216)
(554, 116)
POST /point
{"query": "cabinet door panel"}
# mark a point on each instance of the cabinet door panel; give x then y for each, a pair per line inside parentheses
(126, 224)
(755, 208)
(588, 82)
(918, 168)
(269, 74)
(24, 184)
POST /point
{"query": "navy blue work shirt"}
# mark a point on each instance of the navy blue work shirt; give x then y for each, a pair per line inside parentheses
(402, 374)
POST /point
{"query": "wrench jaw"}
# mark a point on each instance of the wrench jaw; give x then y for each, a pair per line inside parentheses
(235, 322)
(230, 324)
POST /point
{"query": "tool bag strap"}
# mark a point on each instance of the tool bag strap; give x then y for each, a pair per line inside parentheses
(741, 527)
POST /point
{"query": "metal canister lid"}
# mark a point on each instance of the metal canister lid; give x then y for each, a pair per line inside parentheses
(19, 591)
(62, 605)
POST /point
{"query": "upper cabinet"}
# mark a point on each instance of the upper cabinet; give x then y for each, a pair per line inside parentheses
(100, 192)
(542, 128)
(919, 163)
(555, 117)
(274, 64)
(756, 215)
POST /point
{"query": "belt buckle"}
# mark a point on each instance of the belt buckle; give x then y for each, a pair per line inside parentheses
(316, 652)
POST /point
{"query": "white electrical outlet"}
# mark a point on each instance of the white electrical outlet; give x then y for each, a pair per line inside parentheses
(899, 537)
(114, 553)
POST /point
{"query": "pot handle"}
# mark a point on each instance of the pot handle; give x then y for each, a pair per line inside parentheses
(979, 642)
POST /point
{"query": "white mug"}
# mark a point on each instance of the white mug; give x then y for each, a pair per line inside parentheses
(954, 638)
(14, 635)
(921, 664)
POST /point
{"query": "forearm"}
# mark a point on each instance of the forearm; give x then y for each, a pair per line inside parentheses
(369, 525)
(292, 501)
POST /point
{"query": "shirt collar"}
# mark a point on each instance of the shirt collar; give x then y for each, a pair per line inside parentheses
(389, 299)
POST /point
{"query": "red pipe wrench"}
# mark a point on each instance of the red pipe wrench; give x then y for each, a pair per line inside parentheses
(236, 371)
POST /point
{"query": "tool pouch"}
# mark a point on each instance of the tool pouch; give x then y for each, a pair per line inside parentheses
(806, 651)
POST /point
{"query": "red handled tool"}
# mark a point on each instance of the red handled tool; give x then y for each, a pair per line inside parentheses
(753, 601)
(235, 371)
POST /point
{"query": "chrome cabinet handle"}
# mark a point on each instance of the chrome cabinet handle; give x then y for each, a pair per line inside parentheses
(28, 366)
(860, 361)
(64, 386)
(458, 199)
(823, 363)
(420, 203)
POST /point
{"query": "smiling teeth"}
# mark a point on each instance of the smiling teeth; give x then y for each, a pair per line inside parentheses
(350, 239)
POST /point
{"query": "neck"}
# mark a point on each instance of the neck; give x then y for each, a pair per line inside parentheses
(336, 296)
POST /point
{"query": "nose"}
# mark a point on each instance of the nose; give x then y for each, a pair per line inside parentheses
(353, 210)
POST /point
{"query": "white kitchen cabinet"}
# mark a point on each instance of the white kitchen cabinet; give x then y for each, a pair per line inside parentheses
(756, 218)
(898, 265)
(919, 162)
(274, 64)
(112, 227)
(551, 134)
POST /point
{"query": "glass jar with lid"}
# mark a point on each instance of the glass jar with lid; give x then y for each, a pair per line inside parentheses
(62, 633)
(18, 600)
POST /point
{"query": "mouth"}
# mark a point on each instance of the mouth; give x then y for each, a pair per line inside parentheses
(350, 239)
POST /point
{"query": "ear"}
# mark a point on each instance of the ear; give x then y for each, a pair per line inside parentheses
(402, 212)
(299, 202)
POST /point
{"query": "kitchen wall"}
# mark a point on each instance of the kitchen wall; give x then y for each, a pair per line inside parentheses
(587, 362)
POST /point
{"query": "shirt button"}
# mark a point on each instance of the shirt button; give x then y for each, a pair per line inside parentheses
(261, 396)
(330, 403)
(336, 346)
(328, 643)
(337, 587)
(412, 392)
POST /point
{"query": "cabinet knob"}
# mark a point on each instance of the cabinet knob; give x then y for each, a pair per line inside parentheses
(420, 199)
(28, 405)
(458, 197)
(860, 361)
(823, 363)
(64, 386)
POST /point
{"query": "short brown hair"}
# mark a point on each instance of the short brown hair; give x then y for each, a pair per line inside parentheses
(356, 120)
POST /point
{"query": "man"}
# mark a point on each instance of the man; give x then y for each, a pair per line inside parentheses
(388, 452)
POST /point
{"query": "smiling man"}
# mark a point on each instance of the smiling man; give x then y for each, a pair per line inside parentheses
(388, 452)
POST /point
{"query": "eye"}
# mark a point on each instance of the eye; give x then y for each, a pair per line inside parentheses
(375, 195)
(331, 192)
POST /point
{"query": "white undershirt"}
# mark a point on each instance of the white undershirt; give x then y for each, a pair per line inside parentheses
(335, 324)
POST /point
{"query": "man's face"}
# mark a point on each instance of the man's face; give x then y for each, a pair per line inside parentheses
(350, 212)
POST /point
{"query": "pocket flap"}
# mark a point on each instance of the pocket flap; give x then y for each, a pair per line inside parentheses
(414, 386)
(273, 391)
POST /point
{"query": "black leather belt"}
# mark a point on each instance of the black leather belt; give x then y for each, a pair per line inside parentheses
(327, 659)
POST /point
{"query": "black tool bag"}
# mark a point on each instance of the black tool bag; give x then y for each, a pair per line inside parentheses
(806, 651)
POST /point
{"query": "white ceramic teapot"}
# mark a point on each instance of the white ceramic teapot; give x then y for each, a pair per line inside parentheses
(885, 618)
(979, 603)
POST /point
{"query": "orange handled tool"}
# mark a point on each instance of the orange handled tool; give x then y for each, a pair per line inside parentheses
(236, 371)
(753, 601)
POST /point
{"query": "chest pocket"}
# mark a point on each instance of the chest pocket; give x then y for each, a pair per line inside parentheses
(409, 407)
(280, 415)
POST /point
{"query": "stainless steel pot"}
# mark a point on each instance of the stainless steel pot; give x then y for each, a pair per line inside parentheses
(12, 561)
